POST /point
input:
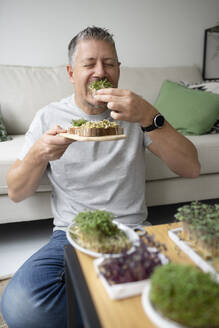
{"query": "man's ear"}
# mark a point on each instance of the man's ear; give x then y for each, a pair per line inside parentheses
(70, 73)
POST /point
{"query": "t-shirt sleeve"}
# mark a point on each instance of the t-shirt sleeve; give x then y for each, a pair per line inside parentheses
(147, 140)
(34, 132)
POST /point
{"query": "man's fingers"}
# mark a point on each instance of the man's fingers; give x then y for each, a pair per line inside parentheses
(56, 130)
(117, 106)
(107, 98)
(116, 116)
(113, 106)
(52, 137)
(112, 91)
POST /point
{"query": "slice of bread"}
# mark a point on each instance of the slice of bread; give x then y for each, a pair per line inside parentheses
(96, 129)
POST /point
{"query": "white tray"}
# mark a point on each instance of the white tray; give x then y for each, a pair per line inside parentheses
(199, 261)
(154, 315)
(125, 290)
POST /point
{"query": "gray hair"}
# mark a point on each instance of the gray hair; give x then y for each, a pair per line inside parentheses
(89, 33)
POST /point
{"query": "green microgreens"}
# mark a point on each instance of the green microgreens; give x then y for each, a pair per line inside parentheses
(185, 295)
(96, 222)
(100, 84)
(79, 122)
(203, 218)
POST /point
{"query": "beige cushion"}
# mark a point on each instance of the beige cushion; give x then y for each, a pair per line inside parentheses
(25, 89)
(146, 81)
(208, 153)
(179, 190)
(36, 207)
(9, 151)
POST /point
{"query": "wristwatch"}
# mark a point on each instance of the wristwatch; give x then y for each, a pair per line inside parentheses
(158, 122)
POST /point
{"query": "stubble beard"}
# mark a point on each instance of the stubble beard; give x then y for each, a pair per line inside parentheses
(91, 108)
(96, 108)
(102, 106)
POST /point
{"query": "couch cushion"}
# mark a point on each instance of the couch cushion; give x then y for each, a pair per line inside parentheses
(191, 112)
(9, 151)
(179, 190)
(209, 86)
(147, 81)
(208, 153)
(25, 89)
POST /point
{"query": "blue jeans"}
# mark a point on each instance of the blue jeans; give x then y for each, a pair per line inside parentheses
(35, 296)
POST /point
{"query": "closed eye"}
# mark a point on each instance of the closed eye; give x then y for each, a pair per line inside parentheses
(89, 65)
(109, 65)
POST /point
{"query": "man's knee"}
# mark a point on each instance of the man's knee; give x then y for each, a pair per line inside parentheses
(14, 305)
(21, 308)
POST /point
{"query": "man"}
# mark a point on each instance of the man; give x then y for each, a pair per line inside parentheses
(99, 175)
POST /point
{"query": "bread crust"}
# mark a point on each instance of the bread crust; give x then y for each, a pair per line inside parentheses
(86, 131)
(95, 132)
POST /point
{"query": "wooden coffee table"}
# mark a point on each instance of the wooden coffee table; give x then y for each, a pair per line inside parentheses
(97, 309)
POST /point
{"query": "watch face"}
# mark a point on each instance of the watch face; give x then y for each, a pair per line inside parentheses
(159, 121)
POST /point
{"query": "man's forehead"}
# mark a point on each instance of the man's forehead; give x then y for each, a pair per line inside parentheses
(92, 49)
(91, 59)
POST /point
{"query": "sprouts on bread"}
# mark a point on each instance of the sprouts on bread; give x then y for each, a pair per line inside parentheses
(79, 122)
(100, 84)
(95, 128)
(96, 231)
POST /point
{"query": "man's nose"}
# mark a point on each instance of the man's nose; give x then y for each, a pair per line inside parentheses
(99, 70)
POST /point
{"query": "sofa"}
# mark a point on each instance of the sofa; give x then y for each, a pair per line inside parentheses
(25, 89)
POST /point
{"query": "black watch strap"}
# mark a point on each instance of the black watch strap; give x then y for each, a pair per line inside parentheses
(147, 128)
(158, 122)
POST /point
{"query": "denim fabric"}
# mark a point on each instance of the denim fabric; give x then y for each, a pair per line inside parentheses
(35, 296)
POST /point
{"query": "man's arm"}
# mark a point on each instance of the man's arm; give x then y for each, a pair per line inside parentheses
(24, 175)
(170, 146)
(175, 150)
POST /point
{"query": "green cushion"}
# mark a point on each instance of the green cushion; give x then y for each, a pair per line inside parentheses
(3, 133)
(191, 112)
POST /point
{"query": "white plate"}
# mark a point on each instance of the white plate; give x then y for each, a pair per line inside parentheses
(130, 233)
(101, 138)
(154, 315)
(128, 289)
(199, 261)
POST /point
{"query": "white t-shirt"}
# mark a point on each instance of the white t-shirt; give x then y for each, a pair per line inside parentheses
(93, 175)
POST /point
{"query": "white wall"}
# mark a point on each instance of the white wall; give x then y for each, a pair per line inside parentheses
(147, 32)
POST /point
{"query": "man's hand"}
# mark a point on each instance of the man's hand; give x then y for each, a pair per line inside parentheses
(24, 176)
(127, 106)
(173, 148)
(51, 146)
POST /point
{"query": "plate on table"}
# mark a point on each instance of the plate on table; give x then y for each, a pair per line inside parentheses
(130, 233)
(156, 317)
(102, 138)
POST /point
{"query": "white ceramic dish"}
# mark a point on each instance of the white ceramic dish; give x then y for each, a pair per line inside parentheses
(184, 246)
(129, 289)
(130, 233)
(154, 315)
